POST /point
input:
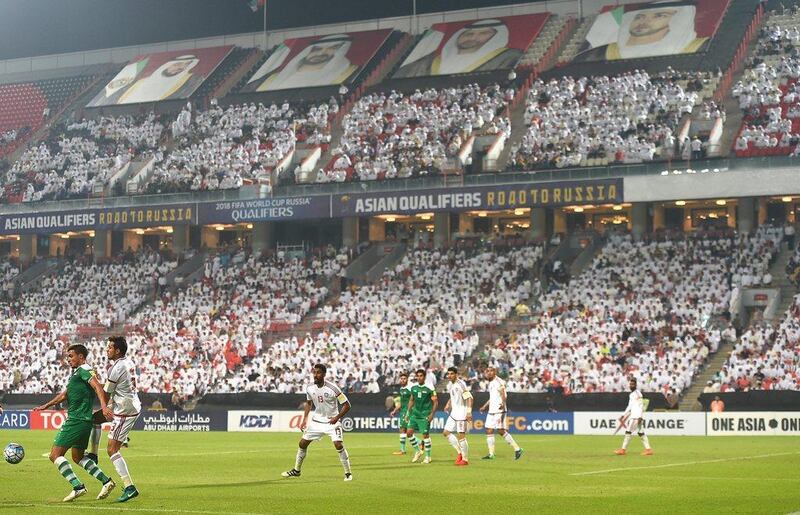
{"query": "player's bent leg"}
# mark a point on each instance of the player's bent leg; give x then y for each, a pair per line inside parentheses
(428, 448)
(94, 443)
(65, 469)
(489, 444)
(121, 466)
(464, 446)
(646, 441)
(299, 458)
(624, 449)
(344, 458)
(518, 451)
(91, 467)
(402, 449)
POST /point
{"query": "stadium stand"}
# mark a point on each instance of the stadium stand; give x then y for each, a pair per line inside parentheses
(202, 332)
(389, 135)
(767, 92)
(80, 300)
(241, 144)
(765, 357)
(24, 107)
(421, 314)
(78, 155)
(648, 309)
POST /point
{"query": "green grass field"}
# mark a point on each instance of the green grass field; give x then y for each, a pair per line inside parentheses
(240, 473)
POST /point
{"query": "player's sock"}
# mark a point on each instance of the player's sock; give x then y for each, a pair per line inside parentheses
(427, 443)
(345, 459)
(645, 441)
(414, 443)
(490, 444)
(94, 441)
(122, 469)
(92, 468)
(298, 461)
(464, 449)
(454, 442)
(403, 442)
(510, 441)
(65, 469)
(626, 441)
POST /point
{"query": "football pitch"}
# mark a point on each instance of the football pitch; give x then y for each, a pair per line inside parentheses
(239, 473)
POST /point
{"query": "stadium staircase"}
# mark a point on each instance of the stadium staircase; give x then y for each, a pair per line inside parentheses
(370, 265)
(689, 400)
(187, 272)
(716, 361)
(781, 281)
(29, 278)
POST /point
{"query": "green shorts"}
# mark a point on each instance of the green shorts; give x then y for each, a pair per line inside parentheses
(419, 424)
(74, 434)
(402, 420)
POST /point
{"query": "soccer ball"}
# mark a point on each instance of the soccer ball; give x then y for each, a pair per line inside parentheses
(13, 453)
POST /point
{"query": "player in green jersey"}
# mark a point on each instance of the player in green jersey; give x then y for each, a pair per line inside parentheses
(74, 434)
(421, 407)
(401, 407)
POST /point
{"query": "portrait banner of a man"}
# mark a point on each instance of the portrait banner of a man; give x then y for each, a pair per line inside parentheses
(652, 29)
(162, 76)
(317, 61)
(472, 46)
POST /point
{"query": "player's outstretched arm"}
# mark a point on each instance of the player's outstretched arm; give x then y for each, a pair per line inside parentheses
(58, 399)
(484, 407)
(469, 399)
(408, 408)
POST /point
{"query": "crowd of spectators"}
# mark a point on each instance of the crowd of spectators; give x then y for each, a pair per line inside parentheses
(629, 118)
(189, 340)
(78, 155)
(768, 93)
(225, 148)
(421, 314)
(37, 326)
(389, 135)
(654, 309)
(765, 357)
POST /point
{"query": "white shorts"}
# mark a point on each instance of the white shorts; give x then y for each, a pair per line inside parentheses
(496, 421)
(316, 430)
(455, 426)
(121, 426)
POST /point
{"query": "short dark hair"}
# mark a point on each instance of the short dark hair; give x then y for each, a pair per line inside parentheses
(403, 374)
(453, 370)
(421, 371)
(322, 368)
(120, 343)
(78, 348)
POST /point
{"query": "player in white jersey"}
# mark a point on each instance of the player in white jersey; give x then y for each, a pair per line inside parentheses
(459, 407)
(633, 420)
(326, 398)
(122, 411)
(496, 417)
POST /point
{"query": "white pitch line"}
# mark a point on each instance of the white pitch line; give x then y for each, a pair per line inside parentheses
(87, 507)
(190, 454)
(685, 463)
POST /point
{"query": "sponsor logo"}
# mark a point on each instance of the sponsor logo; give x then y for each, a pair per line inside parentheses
(654, 423)
(255, 421)
(749, 423)
(11, 419)
(48, 419)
